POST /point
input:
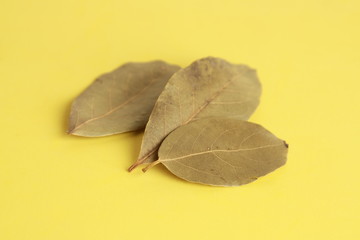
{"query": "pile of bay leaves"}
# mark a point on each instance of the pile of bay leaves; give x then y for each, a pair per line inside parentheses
(194, 119)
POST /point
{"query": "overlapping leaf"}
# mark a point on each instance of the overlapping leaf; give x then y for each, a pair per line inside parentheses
(222, 152)
(209, 87)
(197, 120)
(119, 101)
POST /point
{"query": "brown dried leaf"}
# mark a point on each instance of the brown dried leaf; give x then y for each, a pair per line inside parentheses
(119, 101)
(209, 87)
(222, 152)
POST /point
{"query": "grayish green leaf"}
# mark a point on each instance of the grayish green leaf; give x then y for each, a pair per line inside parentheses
(209, 87)
(222, 152)
(119, 101)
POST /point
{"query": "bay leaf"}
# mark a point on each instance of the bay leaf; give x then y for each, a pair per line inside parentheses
(209, 87)
(222, 152)
(119, 101)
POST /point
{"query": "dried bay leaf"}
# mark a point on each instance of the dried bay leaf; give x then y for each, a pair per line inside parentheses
(222, 152)
(209, 87)
(119, 101)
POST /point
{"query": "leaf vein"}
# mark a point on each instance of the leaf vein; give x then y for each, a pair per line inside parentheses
(196, 169)
(115, 108)
(220, 150)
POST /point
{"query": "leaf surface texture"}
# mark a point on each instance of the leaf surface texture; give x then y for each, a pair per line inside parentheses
(209, 87)
(119, 101)
(222, 152)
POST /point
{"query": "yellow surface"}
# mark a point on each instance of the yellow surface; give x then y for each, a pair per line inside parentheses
(54, 186)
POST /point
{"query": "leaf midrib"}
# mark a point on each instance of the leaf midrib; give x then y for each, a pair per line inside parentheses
(113, 109)
(207, 102)
(219, 150)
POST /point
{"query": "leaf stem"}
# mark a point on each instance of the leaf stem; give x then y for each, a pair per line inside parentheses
(151, 165)
(135, 165)
(141, 160)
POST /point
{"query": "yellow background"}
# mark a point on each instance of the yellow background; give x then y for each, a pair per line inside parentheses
(54, 186)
